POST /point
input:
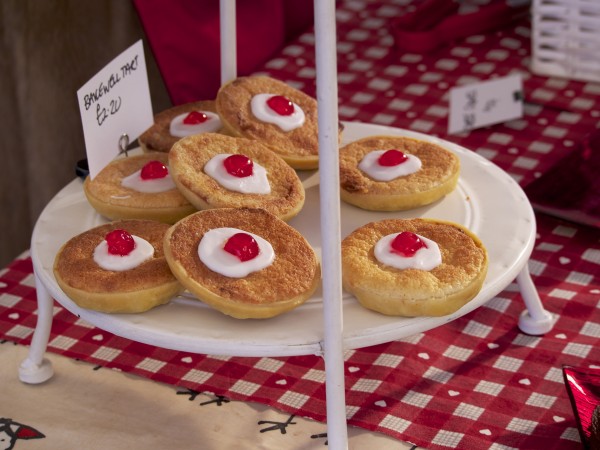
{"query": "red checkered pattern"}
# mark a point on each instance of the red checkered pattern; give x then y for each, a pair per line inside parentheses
(378, 84)
(477, 382)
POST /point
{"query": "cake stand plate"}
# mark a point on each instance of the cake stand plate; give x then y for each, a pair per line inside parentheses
(487, 201)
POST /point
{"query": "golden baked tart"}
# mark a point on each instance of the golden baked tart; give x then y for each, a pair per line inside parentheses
(179, 121)
(244, 262)
(217, 171)
(413, 267)
(271, 111)
(137, 187)
(387, 173)
(118, 267)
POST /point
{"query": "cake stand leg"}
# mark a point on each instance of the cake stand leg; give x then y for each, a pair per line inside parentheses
(535, 320)
(35, 368)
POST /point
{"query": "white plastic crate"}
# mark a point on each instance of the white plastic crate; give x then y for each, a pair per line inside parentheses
(566, 39)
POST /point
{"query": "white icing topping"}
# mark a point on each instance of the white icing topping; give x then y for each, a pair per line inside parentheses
(142, 251)
(212, 253)
(263, 112)
(257, 183)
(424, 259)
(180, 129)
(370, 165)
(149, 186)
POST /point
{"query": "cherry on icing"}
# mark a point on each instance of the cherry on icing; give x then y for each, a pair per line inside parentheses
(243, 246)
(195, 117)
(281, 105)
(120, 242)
(153, 170)
(239, 165)
(391, 158)
(407, 244)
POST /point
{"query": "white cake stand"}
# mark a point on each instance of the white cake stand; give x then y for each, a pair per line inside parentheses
(487, 201)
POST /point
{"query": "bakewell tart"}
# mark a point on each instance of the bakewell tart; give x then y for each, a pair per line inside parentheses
(179, 121)
(387, 173)
(137, 187)
(413, 267)
(217, 171)
(117, 267)
(244, 262)
(271, 111)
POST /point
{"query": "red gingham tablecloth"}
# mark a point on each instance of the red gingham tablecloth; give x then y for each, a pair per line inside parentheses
(477, 382)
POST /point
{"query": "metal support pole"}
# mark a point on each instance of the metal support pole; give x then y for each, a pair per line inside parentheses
(228, 41)
(327, 99)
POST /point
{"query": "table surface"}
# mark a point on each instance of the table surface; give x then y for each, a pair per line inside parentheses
(477, 382)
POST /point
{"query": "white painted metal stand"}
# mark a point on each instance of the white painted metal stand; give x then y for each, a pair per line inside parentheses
(327, 100)
(228, 34)
(535, 319)
(35, 368)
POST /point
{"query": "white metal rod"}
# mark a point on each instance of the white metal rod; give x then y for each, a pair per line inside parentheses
(327, 99)
(35, 368)
(228, 40)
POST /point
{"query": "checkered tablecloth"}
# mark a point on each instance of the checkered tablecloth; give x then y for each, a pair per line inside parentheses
(477, 382)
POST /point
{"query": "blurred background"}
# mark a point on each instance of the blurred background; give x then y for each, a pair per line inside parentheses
(51, 48)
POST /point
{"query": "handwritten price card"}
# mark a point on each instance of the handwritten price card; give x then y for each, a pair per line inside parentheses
(481, 104)
(114, 102)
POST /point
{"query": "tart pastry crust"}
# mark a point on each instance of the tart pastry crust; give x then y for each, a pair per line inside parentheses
(189, 156)
(412, 292)
(288, 282)
(157, 138)
(298, 147)
(131, 291)
(437, 177)
(114, 201)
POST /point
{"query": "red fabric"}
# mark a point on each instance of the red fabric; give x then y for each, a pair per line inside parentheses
(184, 38)
(577, 196)
(437, 22)
(474, 383)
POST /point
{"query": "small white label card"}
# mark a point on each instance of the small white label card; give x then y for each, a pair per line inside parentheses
(489, 102)
(115, 102)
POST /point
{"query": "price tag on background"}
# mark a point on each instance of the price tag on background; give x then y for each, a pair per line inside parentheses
(489, 102)
(114, 102)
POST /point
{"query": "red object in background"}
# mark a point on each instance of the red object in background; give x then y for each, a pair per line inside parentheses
(583, 386)
(435, 23)
(571, 188)
(185, 39)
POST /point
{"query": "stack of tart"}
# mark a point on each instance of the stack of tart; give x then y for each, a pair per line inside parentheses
(211, 196)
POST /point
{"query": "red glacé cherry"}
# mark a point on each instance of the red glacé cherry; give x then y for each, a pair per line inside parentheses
(153, 170)
(243, 246)
(407, 244)
(392, 158)
(281, 105)
(195, 117)
(120, 242)
(239, 165)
